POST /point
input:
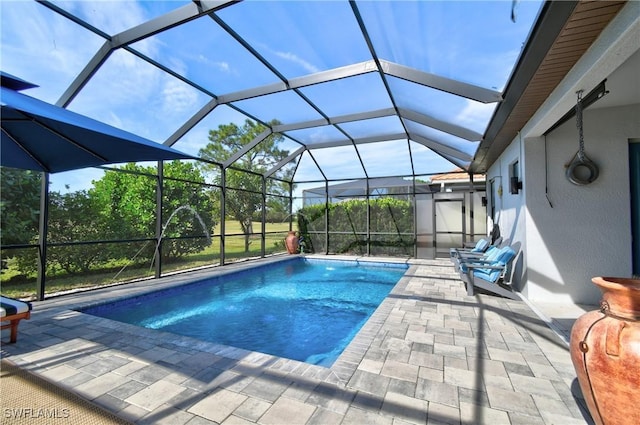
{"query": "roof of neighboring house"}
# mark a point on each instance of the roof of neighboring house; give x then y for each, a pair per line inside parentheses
(457, 175)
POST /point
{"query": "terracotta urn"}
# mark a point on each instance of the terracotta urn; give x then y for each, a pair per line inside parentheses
(605, 350)
(291, 242)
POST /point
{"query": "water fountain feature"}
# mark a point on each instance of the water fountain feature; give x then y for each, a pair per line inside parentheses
(164, 228)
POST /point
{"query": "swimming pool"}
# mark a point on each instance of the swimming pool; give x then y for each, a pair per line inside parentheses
(301, 309)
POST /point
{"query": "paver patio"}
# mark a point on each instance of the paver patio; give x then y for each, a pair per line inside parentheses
(430, 354)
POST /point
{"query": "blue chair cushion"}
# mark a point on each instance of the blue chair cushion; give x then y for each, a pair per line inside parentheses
(492, 275)
(481, 246)
(493, 253)
(489, 257)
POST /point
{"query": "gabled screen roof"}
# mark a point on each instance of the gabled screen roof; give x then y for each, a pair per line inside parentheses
(361, 89)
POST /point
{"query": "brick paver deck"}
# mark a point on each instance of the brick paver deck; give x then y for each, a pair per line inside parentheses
(430, 354)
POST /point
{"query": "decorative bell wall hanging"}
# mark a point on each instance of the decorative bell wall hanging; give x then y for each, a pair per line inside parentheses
(581, 171)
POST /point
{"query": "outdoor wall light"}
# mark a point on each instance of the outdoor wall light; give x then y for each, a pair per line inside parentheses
(515, 185)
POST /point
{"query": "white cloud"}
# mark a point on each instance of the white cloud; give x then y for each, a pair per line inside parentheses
(222, 66)
(386, 158)
(475, 115)
(177, 96)
(111, 17)
(318, 136)
(292, 57)
(193, 141)
(42, 47)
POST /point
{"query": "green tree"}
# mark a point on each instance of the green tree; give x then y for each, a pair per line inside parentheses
(244, 190)
(73, 217)
(126, 201)
(277, 209)
(70, 219)
(184, 206)
(19, 205)
(19, 215)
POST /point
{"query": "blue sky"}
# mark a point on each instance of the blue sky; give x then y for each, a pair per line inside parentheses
(474, 42)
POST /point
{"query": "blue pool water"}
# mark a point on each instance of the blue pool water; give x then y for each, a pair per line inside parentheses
(302, 309)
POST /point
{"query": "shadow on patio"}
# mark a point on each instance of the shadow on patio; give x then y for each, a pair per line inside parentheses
(430, 354)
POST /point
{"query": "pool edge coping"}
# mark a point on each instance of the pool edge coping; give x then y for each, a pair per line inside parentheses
(340, 372)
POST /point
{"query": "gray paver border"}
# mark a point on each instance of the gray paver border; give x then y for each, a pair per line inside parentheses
(426, 334)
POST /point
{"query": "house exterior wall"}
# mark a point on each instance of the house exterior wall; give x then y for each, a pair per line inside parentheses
(510, 208)
(574, 233)
(570, 233)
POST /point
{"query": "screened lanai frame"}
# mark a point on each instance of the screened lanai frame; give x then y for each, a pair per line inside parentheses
(412, 119)
(314, 126)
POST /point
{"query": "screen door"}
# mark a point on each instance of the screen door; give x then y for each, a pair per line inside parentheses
(448, 224)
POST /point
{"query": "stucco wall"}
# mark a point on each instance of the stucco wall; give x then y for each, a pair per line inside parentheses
(510, 208)
(569, 233)
(574, 233)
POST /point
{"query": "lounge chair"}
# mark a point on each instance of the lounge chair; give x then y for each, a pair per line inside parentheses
(490, 274)
(479, 249)
(489, 255)
(480, 245)
(13, 311)
(484, 257)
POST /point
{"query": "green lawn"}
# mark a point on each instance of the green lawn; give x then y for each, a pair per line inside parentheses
(19, 286)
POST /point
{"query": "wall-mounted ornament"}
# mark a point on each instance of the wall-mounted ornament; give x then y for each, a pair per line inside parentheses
(581, 170)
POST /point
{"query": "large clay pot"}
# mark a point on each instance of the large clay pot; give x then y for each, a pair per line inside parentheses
(605, 350)
(291, 241)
